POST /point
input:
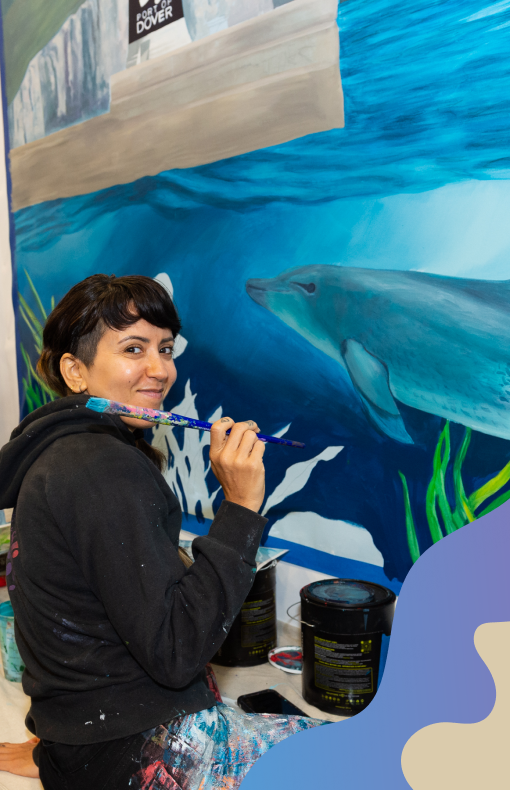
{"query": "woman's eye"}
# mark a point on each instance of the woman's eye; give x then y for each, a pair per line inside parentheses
(134, 350)
(168, 350)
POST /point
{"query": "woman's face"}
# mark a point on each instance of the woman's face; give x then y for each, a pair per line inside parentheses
(133, 366)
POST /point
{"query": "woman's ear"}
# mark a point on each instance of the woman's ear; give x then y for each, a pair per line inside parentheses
(73, 372)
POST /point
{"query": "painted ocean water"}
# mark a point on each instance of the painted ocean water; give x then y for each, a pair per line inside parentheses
(427, 103)
(418, 179)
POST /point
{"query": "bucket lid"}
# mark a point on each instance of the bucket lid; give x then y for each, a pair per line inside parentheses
(346, 593)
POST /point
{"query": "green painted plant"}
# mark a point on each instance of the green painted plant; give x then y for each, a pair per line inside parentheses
(36, 392)
(441, 517)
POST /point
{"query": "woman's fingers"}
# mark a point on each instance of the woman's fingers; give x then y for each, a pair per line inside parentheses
(249, 440)
(251, 425)
(236, 460)
(219, 434)
(258, 450)
(219, 438)
(237, 434)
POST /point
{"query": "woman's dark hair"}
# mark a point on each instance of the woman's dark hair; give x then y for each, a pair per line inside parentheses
(101, 301)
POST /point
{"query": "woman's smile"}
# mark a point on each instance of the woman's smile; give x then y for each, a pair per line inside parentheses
(154, 394)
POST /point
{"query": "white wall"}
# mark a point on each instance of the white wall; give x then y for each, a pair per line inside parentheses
(9, 406)
(289, 580)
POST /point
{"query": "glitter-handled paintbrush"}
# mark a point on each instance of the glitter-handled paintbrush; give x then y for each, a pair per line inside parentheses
(105, 406)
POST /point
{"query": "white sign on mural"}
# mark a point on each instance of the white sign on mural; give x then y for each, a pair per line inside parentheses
(147, 16)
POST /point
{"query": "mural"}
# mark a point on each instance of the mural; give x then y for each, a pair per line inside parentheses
(343, 275)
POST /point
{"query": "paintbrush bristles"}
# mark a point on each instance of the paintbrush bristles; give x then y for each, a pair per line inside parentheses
(98, 404)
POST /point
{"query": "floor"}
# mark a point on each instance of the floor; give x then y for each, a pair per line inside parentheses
(234, 681)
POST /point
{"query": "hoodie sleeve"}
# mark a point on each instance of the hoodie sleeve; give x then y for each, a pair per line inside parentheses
(114, 515)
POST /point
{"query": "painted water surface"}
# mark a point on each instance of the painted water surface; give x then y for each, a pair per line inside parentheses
(417, 181)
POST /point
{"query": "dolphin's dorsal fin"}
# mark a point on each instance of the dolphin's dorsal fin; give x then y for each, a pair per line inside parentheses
(370, 378)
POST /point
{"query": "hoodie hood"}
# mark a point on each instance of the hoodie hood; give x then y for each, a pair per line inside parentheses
(43, 427)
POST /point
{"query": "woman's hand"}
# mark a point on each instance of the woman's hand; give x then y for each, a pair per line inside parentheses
(16, 758)
(236, 460)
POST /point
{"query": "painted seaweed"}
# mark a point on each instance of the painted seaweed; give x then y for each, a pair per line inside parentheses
(442, 519)
(36, 392)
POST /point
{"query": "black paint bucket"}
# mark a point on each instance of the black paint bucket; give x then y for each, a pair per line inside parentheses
(253, 632)
(345, 626)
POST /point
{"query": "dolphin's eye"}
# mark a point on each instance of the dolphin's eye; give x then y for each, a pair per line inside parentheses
(308, 287)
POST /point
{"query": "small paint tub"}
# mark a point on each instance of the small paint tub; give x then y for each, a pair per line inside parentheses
(11, 659)
(288, 659)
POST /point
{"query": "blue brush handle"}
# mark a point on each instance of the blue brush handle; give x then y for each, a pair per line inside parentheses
(105, 406)
(188, 422)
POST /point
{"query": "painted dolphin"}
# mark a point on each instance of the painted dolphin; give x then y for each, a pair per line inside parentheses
(439, 344)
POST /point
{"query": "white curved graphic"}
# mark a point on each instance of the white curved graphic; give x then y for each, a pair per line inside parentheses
(341, 538)
(297, 476)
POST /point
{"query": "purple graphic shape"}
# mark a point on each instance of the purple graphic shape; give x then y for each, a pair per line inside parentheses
(433, 672)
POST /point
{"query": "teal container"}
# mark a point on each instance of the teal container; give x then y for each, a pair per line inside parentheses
(11, 659)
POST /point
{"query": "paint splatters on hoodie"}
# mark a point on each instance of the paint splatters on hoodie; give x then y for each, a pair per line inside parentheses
(113, 630)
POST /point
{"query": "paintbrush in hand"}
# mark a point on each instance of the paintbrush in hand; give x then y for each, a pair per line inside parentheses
(105, 406)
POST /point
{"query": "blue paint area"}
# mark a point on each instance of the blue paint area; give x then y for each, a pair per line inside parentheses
(426, 109)
(195, 525)
(320, 561)
(446, 596)
(337, 567)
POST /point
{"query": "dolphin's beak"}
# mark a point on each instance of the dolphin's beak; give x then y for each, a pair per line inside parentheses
(257, 290)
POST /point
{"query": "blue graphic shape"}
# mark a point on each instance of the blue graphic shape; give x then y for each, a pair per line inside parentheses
(433, 671)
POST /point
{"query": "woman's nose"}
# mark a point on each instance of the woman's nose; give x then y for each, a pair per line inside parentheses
(156, 368)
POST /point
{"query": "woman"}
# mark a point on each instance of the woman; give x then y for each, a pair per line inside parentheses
(115, 632)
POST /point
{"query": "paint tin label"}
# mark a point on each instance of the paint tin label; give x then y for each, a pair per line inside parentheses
(340, 672)
(253, 632)
(258, 623)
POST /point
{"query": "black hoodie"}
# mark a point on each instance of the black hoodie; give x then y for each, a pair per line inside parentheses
(113, 630)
